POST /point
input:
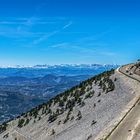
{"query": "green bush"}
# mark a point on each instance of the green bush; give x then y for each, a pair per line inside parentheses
(27, 121)
(79, 115)
(3, 127)
(89, 95)
(52, 118)
(61, 103)
(93, 122)
(53, 132)
(20, 123)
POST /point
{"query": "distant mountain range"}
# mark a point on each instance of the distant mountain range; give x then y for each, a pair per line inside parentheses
(64, 69)
(61, 65)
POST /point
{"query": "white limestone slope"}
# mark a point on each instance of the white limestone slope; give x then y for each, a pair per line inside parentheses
(108, 109)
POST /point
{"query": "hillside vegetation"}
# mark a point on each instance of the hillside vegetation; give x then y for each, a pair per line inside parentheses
(24, 88)
(79, 113)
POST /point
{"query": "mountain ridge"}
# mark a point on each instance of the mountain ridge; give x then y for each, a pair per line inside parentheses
(59, 65)
(80, 113)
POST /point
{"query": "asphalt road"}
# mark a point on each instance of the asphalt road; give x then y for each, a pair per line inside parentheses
(126, 128)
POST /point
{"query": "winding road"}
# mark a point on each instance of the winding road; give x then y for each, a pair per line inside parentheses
(125, 130)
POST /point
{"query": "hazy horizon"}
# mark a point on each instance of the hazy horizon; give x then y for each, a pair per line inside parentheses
(51, 65)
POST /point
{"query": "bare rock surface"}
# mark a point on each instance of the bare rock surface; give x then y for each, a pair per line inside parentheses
(98, 112)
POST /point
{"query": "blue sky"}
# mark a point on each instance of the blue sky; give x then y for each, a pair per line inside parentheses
(69, 31)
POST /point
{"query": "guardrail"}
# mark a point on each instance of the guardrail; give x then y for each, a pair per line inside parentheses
(128, 75)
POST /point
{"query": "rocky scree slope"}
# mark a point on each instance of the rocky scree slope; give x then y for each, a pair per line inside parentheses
(80, 113)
